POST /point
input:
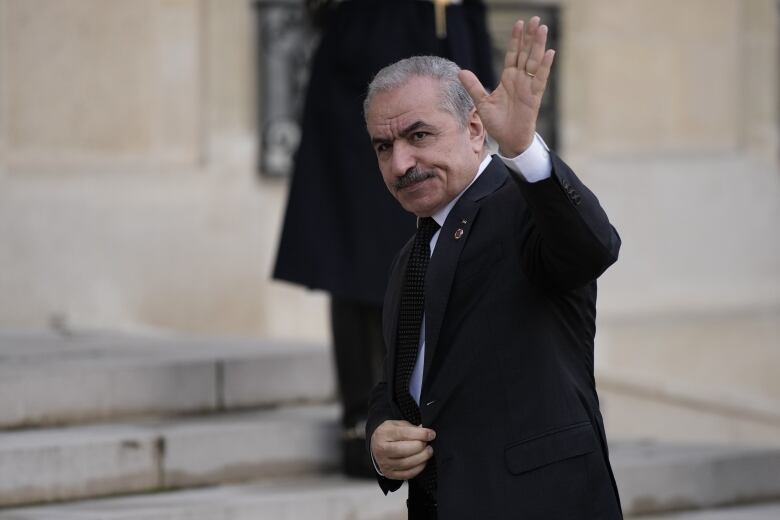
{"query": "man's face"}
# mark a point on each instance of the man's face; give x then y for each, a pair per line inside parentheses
(425, 155)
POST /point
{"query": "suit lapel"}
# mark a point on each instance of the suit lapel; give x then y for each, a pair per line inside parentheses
(441, 272)
(444, 262)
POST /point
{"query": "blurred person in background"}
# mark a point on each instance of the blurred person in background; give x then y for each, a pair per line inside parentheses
(341, 227)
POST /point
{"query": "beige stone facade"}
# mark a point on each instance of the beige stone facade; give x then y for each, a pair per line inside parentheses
(129, 197)
(127, 152)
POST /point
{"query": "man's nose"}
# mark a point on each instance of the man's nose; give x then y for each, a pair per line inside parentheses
(403, 159)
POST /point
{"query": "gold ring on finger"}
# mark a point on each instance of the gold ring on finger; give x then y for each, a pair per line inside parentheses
(529, 74)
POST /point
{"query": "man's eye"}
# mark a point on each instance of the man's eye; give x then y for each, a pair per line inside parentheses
(383, 147)
(419, 136)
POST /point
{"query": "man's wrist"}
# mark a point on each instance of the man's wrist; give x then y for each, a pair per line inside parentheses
(534, 164)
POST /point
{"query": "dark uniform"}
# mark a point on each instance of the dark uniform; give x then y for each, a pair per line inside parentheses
(342, 227)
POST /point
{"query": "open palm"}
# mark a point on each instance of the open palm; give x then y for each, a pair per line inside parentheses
(509, 113)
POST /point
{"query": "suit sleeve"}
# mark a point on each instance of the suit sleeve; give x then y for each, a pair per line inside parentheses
(379, 407)
(379, 412)
(567, 240)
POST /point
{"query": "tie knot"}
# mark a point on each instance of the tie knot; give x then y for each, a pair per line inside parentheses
(426, 227)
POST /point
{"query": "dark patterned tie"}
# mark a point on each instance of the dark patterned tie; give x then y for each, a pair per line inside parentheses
(409, 323)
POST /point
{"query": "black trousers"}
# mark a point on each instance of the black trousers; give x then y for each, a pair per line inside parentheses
(359, 351)
(420, 505)
(421, 511)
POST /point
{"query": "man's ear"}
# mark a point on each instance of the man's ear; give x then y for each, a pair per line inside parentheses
(476, 130)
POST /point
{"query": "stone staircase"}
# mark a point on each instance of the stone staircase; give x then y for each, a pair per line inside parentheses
(105, 426)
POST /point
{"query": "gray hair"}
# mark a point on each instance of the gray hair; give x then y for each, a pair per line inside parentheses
(454, 97)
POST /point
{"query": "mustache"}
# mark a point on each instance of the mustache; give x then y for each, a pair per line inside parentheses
(411, 176)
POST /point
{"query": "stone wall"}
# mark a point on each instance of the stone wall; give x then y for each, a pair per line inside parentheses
(128, 192)
(670, 113)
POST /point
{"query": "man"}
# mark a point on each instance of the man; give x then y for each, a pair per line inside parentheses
(488, 405)
(341, 228)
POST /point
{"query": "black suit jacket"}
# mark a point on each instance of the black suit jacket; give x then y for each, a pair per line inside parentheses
(508, 384)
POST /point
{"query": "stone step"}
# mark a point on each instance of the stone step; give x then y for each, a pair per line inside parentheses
(47, 379)
(160, 454)
(765, 511)
(700, 377)
(320, 498)
(153, 454)
(323, 498)
(655, 477)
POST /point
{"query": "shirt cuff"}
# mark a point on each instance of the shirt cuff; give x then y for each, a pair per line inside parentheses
(534, 164)
(373, 461)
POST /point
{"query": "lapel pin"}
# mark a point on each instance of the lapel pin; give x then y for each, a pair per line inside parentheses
(464, 221)
(458, 233)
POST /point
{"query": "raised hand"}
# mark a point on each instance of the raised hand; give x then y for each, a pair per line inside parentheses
(509, 113)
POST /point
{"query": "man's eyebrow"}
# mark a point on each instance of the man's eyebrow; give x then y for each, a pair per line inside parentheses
(414, 127)
(417, 125)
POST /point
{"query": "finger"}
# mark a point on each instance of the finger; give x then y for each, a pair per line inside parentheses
(514, 45)
(413, 461)
(472, 86)
(403, 449)
(544, 69)
(393, 430)
(537, 51)
(416, 433)
(387, 431)
(408, 463)
(404, 431)
(404, 475)
(528, 41)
